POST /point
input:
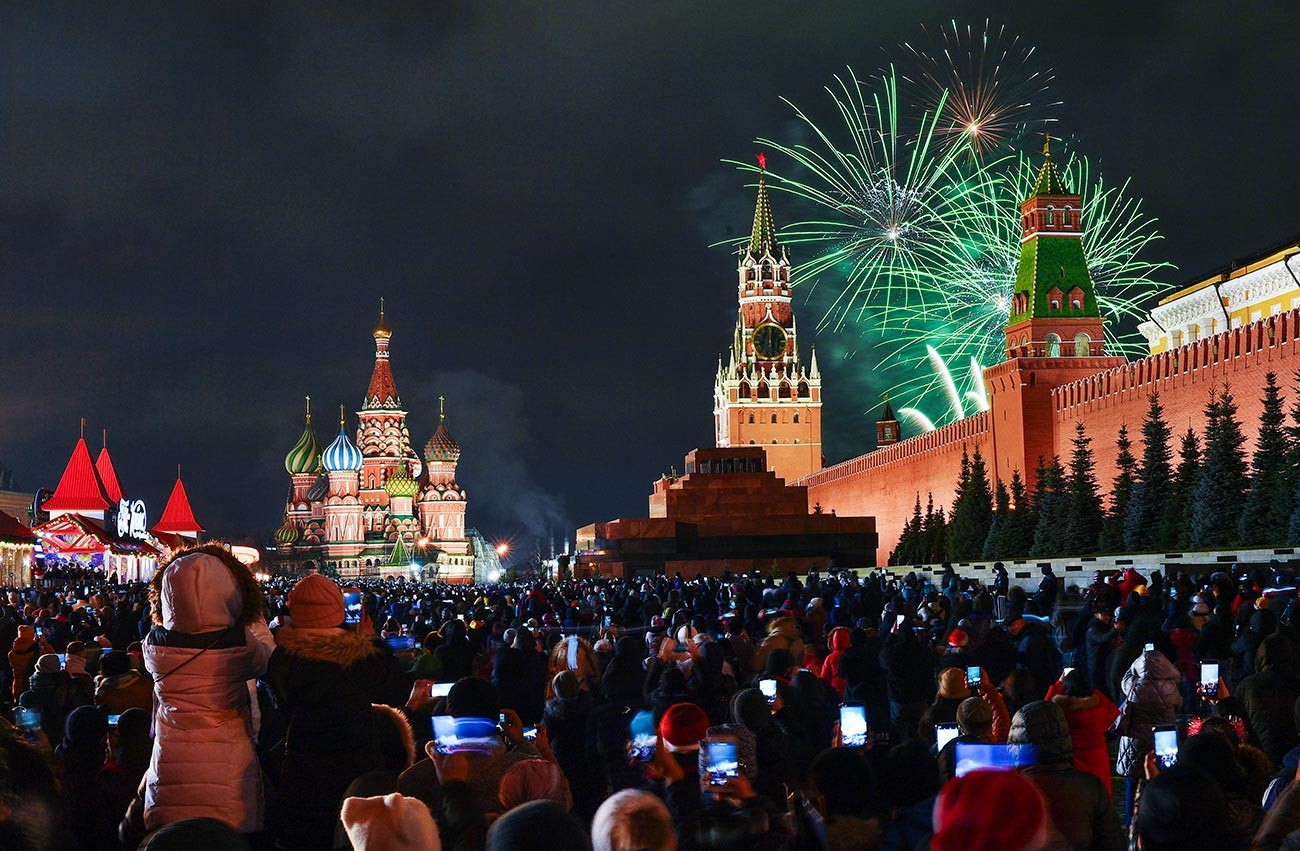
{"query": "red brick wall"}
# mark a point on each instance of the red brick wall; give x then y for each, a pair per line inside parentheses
(884, 483)
(1183, 378)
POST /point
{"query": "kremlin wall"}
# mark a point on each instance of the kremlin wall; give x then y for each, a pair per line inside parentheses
(885, 483)
(1034, 404)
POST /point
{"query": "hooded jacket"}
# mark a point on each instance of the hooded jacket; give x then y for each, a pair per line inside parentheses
(839, 642)
(1152, 693)
(22, 658)
(1083, 815)
(207, 643)
(1270, 696)
(782, 634)
(1089, 719)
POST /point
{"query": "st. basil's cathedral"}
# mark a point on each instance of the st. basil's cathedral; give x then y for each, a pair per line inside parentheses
(374, 507)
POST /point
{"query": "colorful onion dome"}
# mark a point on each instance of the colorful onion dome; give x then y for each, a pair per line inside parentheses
(442, 447)
(287, 535)
(400, 484)
(342, 455)
(305, 455)
(319, 489)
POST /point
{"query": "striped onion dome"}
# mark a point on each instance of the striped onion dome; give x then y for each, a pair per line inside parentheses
(342, 455)
(401, 484)
(286, 535)
(442, 447)
(305, 455)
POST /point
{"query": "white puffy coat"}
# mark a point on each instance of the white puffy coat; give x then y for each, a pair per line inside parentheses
(203, 762)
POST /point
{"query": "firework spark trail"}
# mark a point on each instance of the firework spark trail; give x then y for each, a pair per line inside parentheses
(908, 201)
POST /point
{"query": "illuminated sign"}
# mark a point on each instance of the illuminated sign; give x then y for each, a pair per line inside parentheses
(131, 519)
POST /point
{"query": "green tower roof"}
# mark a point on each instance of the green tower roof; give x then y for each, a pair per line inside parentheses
(763, 239)
(1049, 179)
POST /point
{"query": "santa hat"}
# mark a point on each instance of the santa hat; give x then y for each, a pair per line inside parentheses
(958, 638)
(390, 823)
(316, 603)
(682, 727)
(972, 814)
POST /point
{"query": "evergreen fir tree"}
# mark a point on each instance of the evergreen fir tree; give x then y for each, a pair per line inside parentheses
(1146, 504)
(1266, 516)
(995, 541)
(972, 510)
(934, 537)
(909, 541)
(1085, 514)
(1173, 530)
(1292, 476)
(1112, 530)
(1223, 480)
(1018, 534)
(1051, 510)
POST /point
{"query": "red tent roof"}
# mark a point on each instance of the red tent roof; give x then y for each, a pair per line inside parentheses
(80, 489)
(15, 532)
(108, 475)
(178, 517)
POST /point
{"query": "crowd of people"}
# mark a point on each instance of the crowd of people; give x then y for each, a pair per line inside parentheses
(208, 710)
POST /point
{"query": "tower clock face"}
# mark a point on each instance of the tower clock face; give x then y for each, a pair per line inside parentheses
(769, 341)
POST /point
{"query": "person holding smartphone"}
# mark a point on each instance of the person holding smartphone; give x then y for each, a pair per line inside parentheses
(1090, 714)
(772, 757)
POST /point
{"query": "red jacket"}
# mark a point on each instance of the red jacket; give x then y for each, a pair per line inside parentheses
(839, 642)
(1089, 719)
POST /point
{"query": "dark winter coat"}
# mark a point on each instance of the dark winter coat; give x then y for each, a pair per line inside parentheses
(324, 681)
(1082, 812)
(1100, 643)
(569, 725)
(1269, 697)
(54, 694)
(909, 668)
(520, 678)
(624, 676)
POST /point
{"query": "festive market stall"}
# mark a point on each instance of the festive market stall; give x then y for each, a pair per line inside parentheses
(17, 552)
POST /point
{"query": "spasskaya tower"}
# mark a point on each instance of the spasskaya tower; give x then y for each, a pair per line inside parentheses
(763, 395)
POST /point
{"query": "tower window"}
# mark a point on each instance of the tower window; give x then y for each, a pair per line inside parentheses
(796, 418)
(1082, 345)
(1053, 346)
(774, 441)
(751, 419)
(774, 420)
(751, 443)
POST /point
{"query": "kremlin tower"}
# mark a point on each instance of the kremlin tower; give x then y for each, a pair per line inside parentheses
(764, 395)
(369, 507)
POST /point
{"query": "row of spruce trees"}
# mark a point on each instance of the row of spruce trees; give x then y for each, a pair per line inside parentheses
(1211, 498)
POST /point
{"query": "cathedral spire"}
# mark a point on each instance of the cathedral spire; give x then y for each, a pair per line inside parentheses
(763, 239)
(382, 392)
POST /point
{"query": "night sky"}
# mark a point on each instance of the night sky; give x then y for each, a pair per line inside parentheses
(201, 205)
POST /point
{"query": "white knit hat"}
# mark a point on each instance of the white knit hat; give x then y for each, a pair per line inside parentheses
(390, 823)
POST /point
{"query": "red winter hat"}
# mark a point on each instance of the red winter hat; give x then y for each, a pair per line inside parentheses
(316, 603)
(989, 810)
(682, 727)
(958, 638)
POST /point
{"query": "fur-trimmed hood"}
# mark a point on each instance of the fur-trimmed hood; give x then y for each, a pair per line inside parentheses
(399, 734)
(1076, 704)
(245, 606)
(341, 647)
